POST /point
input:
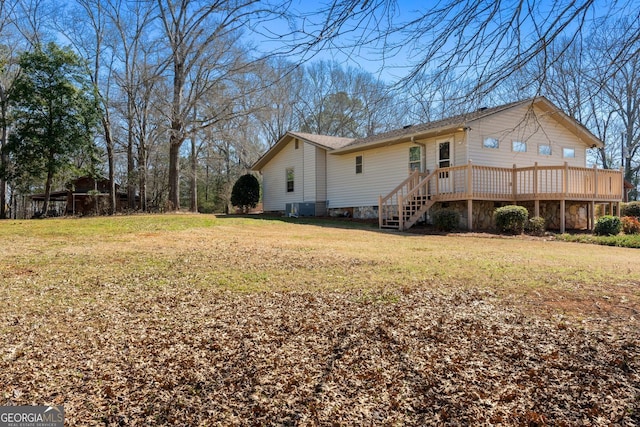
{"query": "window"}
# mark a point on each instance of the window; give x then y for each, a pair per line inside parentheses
(414, 158)
(358, 164)
(569, 153)
(290, 177)
(444, 155)
(519, 146)
(544, 150)
(491, 143)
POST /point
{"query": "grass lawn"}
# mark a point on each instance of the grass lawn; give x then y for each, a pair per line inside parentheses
(198, 320)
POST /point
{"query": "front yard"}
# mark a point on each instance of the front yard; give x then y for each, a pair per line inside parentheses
(197, 320)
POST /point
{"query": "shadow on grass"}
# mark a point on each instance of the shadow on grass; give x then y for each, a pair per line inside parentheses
(346, 223)
(330, 222)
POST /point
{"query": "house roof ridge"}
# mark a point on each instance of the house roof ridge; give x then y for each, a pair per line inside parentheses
(457, 119)
(328, 141)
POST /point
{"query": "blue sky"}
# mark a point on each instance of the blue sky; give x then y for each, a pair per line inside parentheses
(370, 58)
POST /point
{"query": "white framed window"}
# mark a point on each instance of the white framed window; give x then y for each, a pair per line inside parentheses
(414, 158)
(544, 149)
(569, 153)
(519, 147)
(492, 143)
(358, 164)
(290, 180)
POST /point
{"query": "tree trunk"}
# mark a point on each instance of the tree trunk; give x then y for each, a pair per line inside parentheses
(4, 159)
(47, 193)
(131, 168)
(174, 173)
(111, 165)
(142, 175)
(177, 138)
(193, 207)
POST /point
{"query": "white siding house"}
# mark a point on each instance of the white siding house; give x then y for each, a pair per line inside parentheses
(526, 152)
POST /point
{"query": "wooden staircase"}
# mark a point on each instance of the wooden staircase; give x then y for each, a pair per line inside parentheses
(407, 203)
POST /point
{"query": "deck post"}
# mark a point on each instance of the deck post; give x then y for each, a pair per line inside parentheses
(400, 213)
(380, 211)
(595, 181)
(592, 215)
(536, 207)
(514, 183)
(535, 180)
(469, 180)
(562, 216)
(565, 181)
(470, 214)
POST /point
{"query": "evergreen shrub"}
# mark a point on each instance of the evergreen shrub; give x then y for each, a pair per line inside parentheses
(511, 219)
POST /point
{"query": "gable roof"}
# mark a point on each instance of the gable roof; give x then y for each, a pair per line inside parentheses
(462, 121)
(323, 141)
(459, 122)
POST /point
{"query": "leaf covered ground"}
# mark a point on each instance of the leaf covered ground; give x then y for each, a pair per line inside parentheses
(170, 324)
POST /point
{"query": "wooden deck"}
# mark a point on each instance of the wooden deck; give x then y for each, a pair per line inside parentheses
(408, 202)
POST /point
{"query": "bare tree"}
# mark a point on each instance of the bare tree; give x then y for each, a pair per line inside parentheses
(131, 22)
(201, 37)
(622, 92)
(87, 29)
(282, 85)
(8, 72)
(345, 102)
(484, 42)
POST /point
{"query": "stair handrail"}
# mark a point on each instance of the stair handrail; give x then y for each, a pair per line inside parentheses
(423, 181)
(400, 186)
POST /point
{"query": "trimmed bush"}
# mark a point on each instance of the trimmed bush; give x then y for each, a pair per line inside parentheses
(246, 192)
(630, 225)
(511, 219)
(535, 226)
(608, 225)
(446, 219)
(630, 209)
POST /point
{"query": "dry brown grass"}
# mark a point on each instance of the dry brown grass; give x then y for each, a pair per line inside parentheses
(192, 320)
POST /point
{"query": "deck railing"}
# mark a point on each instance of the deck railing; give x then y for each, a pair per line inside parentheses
(528, 183)
(472, 182)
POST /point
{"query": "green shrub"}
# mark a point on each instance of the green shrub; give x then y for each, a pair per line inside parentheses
(608, 225)
(511, 218)
(446, 219)
(246, 192)
(535, 226)
(630, 209)
(630, 225)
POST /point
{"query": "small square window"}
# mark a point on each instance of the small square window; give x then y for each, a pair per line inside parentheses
(544, 150)
(491, 143)
(519, 146)
(569, 153)
(358, 164)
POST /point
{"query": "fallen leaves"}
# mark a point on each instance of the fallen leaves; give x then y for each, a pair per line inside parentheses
(169, 356)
